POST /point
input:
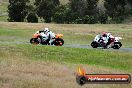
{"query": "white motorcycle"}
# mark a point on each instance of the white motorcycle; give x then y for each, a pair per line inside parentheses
(112, 43)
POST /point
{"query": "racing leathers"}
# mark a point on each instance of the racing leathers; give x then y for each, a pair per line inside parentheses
(50, 37)
(111, 39)
(108, 39)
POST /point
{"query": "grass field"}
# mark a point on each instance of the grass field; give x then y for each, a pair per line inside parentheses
(3, 10)
(23, 65)
(29, 66)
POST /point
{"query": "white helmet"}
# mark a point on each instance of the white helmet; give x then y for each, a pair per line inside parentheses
(46, 30)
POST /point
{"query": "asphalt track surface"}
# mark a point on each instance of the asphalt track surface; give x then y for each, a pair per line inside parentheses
(75, 46)
(89, 47)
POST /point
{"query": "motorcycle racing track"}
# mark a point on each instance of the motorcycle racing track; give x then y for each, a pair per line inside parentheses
(128, 49)
(89, 47)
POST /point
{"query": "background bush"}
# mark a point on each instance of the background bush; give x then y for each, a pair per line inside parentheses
(32, 17)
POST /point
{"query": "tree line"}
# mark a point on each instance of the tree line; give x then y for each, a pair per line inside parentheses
(76, 11)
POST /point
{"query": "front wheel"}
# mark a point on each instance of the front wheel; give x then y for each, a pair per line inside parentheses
(117, 45)
(58, 42)
(94, 44)
(34, 41)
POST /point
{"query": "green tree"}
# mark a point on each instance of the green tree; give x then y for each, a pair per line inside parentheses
(86, 9)
(91, 8)
(128, 8)
(60, 14)
(129, 1)
(92, 11)
(103, 18)
(45, 8)
(37, 2)
(32, 13)
(78, 6)
(115, 9)
(32, 17)
(17, 10)
(64, 14)
(89, 19)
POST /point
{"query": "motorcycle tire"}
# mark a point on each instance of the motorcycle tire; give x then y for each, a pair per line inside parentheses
(117, 45)
(58, 42)
(34, 41)
(94, 44)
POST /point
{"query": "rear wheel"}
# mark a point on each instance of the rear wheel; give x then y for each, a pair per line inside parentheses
(117, 45)
(58, 42)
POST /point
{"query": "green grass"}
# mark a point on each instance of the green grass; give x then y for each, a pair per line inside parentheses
(109, 59)
(3, 18)
(3, 10)
(3, 7)
(14, 35)
(116, 60)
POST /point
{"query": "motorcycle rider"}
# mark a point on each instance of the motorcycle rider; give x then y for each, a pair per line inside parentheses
(50, 36)
(110, 38)
(104, 37)
(42, 35)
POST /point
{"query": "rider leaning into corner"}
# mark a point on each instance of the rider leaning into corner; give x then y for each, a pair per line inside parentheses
(111, 39)
(50, 36)
(46, 35)
(107, 39)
